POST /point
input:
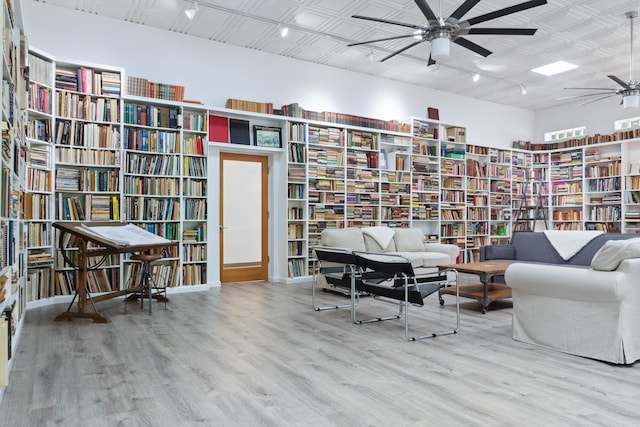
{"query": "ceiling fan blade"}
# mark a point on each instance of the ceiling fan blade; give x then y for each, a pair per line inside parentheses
(586, 96)
(426, 10)
(472, 46)
(506, 11)
(401, 50)
(501, 31)
(619, 81)
(380, 40)
(463, 9)
(595, 100)
(386, 21)
(589, 88)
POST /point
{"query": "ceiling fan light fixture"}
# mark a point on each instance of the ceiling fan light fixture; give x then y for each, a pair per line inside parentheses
(440, 48)
(631, 100)
(191, 12)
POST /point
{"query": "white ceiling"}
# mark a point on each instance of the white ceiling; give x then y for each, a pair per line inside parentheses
(593, 34)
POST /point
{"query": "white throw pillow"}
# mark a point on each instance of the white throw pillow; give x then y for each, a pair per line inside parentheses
(409, 240)
(611, 254)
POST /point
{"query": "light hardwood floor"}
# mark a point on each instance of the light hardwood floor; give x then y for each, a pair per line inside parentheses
(256, 354)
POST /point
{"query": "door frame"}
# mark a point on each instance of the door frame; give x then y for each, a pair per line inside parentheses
(238, 274)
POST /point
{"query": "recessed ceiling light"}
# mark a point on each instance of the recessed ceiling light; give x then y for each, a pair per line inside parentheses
(475, 77)
(555, 68)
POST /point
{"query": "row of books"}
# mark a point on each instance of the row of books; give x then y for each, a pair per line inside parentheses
(195, 209)
(153, 165)
(91, 207)
(146, 209)
(151, 186)
(39, 284)
(197, 234)
(87, 179)
(88, 135)
(83, 107)
(194, 274)
(193, 145)
(151, 115)
(155, 141)
(87, 156)
(137, 86)
(39, 98)
(252, 106)
(38, 129)
(586, 140)
(194, 187)
(196, 122)
(194, 166)
(87, 80)
(194, 253)
(38, 180)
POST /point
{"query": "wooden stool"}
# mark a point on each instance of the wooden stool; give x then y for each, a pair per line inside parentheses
(145, 283)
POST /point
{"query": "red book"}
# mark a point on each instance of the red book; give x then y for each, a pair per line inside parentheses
(218, 129)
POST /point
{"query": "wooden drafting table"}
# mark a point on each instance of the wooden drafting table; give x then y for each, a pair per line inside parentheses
(140, 241)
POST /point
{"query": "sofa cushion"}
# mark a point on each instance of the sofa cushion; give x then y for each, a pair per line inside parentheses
(409, 239)
(351, 238)
(415, 258)
(426, 259)
(611, 254)
(499, 252)
(379, 239)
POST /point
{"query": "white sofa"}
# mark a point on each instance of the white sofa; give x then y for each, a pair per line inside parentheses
(591, 312)
(407, 242)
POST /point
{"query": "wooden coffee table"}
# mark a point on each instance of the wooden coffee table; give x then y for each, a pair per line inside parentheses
(487, 291)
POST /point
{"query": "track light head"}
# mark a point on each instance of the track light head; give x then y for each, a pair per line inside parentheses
(523, 91)
(191, 12)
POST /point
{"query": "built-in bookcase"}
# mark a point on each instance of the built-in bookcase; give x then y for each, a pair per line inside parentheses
(362, 178)
(566, 174)
(478, 182)
(425, 180)
(453, 189)
(13, 169)
(395, 180)
(603, 188)
(87, 144)
(152, 177)
(499, 195)
(194, 197)
(297, 249)
(325, 180)
(38, 198)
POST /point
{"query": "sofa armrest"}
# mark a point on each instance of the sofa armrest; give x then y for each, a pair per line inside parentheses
(451, 250)
(574, 283)
(489, 252)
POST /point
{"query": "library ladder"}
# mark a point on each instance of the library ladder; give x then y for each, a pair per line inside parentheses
(527, 214)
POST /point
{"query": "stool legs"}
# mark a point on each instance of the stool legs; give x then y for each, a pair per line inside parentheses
(146, 284)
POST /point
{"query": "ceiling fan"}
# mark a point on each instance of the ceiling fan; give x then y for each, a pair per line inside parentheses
(630, 90)
(441, 32)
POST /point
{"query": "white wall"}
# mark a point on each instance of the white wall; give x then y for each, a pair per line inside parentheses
(598, 117)
(213, 72)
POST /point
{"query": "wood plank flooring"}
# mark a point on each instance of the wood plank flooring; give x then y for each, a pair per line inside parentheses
(256, 354)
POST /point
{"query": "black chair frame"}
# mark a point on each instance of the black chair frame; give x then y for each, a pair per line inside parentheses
(391, 278)
(341, 274)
